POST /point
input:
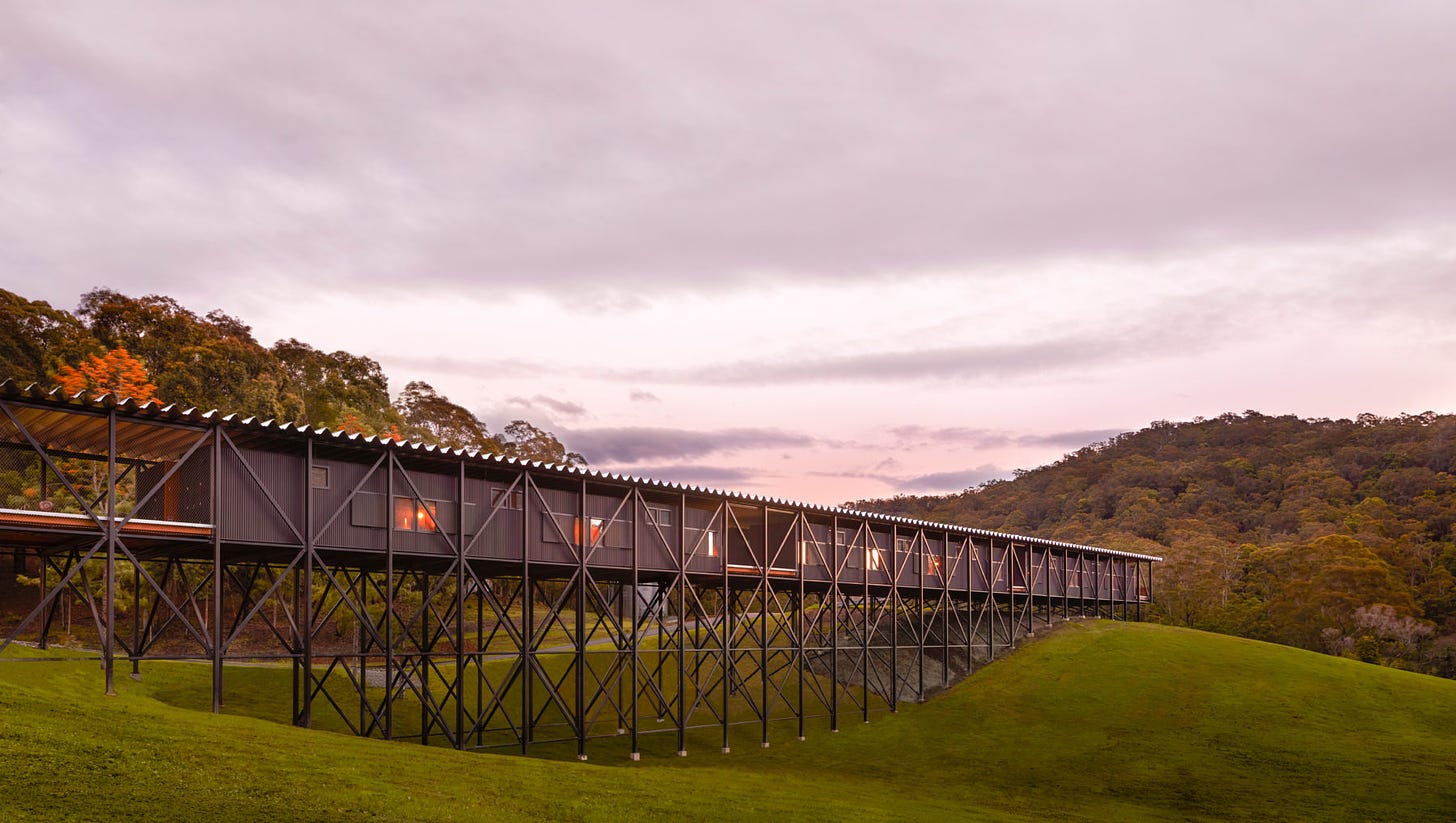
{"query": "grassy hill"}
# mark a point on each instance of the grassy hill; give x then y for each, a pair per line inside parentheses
(1097, 721)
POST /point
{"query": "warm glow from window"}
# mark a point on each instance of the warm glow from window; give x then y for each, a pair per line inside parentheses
(597, 525)
(425, 514)
(404, 514)
(413, 515)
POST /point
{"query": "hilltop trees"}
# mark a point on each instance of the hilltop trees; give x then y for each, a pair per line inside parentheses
(430, 416)
(329, 387)
(1278, 528)
(36, 340)
(210, 361)
(527, 442)
(152, 347)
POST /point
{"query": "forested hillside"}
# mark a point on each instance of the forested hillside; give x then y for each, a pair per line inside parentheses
(152, 348)
(1333, 535)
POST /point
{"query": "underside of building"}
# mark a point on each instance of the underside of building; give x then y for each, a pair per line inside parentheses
(468, 600)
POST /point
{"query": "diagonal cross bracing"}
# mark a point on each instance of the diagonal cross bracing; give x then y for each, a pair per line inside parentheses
(464, 600)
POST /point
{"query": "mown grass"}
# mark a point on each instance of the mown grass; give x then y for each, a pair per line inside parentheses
(1099, 721)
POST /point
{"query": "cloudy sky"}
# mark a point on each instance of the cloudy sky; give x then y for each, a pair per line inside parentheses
(821, 250)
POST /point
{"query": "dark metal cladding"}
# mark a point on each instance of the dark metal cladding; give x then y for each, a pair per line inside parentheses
(466, 599)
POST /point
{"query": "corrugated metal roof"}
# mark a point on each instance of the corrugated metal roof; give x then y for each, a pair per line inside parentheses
(155, 410)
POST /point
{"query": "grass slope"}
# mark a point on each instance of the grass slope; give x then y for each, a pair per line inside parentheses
(1098, 721)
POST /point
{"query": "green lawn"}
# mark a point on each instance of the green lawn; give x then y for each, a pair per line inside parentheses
(1098, 721)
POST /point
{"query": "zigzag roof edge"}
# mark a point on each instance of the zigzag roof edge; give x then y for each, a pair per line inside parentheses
(130, 406)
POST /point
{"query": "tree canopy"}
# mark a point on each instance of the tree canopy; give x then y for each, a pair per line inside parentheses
(1280, 528)
(152, 347)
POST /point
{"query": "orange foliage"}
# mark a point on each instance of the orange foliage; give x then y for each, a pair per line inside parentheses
(351, 424)
(115, 372)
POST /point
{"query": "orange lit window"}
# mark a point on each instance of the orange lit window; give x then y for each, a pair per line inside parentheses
(425, 516)
(404, 514)
(412, 515)
(702, 542)
(597, 524)
(932, 564)
(875, 559)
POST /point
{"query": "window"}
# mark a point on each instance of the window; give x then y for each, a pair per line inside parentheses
(659, 516)
(318, 477)
(411, 515)
(597, 524)
(516, 502)
(611, 534)
(875, 559)
(841, 536)
(809, 553)
(903, 549)
(702, 543)
(932, 564)
(616, 535)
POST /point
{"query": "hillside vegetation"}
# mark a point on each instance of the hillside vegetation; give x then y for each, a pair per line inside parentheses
(1098, 721)
(1332, 535)
(153, 348)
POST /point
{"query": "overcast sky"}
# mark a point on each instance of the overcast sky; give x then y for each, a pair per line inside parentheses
(815, 250)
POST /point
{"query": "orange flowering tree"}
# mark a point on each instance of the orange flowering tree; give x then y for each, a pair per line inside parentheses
(115, 371)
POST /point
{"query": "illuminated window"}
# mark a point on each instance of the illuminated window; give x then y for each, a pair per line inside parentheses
(318, 477)
(597, 524)
(515, 502)
(404, 514)
(875, 559)
(809, 553)
(932, 564)
(603, 533)
(411, 515)
(702, 543)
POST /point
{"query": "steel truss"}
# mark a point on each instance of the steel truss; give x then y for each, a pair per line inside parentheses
(476, 652)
